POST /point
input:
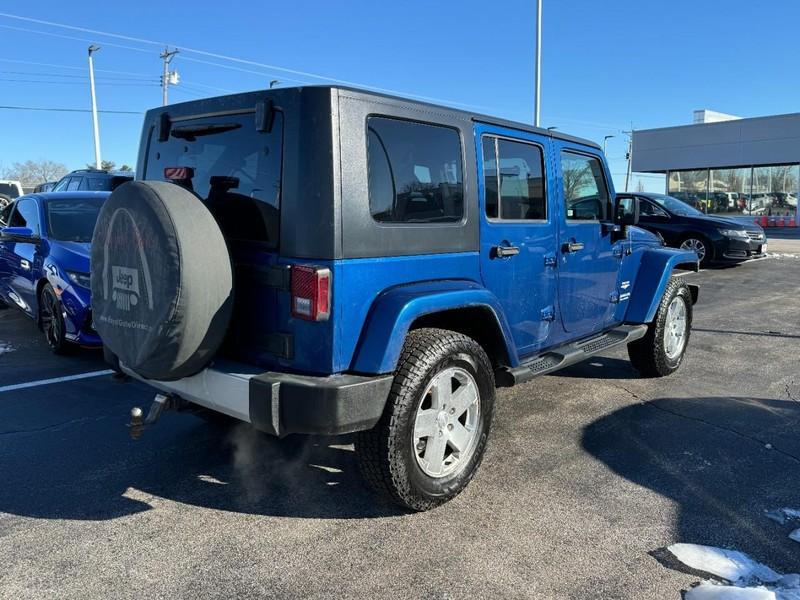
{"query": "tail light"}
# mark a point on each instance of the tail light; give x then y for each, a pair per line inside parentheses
(311, 293)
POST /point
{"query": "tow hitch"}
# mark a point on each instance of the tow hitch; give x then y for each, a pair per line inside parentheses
(160, 403)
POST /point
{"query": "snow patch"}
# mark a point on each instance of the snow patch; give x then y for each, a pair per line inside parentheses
(782, 515)
(745, 578)
(730, 565)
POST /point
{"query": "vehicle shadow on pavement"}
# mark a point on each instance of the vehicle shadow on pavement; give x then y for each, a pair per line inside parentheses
(723, 461)
(93, 471)
(600, 367)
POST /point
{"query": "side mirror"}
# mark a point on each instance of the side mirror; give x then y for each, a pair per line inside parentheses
(626, 211)
(18, 234)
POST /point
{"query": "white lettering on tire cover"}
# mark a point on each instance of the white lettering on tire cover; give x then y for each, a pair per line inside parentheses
(125, 293)
(125, 287)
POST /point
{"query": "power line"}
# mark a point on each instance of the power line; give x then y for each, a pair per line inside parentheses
(70, 37)
(41, 64)
(216, 55)
(80, 110)
(110, 83)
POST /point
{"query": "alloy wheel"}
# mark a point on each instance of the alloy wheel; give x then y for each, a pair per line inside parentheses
(675, 328)
(447, 422)
(697, 246)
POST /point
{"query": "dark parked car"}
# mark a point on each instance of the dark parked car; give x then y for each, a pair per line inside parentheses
(47, 186)
(44, 263)
(92, 180)
(714, 238)
(372, 265)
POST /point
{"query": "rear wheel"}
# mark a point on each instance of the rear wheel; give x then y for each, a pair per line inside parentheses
(51, 320)
(431, 439)
(700, 246)
(660, 352)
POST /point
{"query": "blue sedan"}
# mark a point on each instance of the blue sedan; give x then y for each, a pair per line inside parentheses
(44, 263)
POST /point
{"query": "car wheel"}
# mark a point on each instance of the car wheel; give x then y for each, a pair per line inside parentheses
(432, 436)
(700, 246)
(4, 200)
(660, 352)
(51, 320)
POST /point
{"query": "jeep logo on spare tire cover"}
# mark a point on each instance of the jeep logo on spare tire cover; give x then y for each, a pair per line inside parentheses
(162, 283)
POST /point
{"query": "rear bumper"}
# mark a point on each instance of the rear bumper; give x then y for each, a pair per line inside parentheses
(282, 403)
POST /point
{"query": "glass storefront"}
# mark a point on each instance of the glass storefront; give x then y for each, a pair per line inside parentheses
(759, 191)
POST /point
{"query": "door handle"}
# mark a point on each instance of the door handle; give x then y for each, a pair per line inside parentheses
(505, 251)
(570, 247)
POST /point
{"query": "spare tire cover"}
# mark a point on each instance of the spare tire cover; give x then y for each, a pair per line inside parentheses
(162, 282)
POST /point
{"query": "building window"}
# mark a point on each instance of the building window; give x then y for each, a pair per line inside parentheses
(774, 191)
(689, 186)
(749, 191)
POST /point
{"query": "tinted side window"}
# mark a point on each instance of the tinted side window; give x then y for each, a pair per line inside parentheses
(520, 173)
(62, 185)
(74, 184)
(415, 173)
(585, 191)
(26, 215)
(648, 209)
(95, 184)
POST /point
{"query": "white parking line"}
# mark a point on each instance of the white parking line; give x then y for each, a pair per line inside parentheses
(30, 384)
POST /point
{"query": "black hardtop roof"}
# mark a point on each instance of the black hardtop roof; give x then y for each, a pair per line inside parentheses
(366, 94)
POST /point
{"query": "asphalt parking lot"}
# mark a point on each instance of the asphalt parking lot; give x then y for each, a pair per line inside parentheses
(589, 474)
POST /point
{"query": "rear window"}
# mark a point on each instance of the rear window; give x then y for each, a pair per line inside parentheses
(230, 166)
(415, 173)
(9, 190)
(73, 220)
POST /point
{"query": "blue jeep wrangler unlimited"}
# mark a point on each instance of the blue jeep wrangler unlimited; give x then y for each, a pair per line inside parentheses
(327, 260)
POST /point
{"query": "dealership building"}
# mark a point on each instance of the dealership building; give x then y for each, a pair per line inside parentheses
(722, 164)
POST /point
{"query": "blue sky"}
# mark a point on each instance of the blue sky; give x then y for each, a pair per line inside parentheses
(605, 64)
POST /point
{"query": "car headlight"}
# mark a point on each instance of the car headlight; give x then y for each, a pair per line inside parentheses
(735, 233)
(81, 279)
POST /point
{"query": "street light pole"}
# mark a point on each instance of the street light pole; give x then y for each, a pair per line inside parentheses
(97, 161)
(605, 141)
(537, 94)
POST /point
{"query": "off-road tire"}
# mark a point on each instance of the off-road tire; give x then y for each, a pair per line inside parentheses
(4, 200)
(385, 453)
(648, 354)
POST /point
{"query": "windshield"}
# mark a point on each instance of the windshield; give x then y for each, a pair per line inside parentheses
(229, 165)
(9, 190)
(73, 220)
(675, 206)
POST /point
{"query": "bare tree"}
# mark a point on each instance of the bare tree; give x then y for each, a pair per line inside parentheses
(106, 165)
(33, 172)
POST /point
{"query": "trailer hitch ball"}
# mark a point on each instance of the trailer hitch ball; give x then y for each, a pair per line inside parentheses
(160, 403)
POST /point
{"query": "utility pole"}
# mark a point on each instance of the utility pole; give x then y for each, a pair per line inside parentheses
(629, 156)
(97, 161)
(537, 93)
(167, 77)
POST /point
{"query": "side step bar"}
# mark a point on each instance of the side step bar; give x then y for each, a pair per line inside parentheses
(569, 354)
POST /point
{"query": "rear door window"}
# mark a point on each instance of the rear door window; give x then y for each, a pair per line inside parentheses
(415, 172)
(519, 168)
(229, 165)
(74, 184)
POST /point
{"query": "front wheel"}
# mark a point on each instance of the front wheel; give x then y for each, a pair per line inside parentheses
(660, 352)
(432, 436)
(51, 320)
(700, 246)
